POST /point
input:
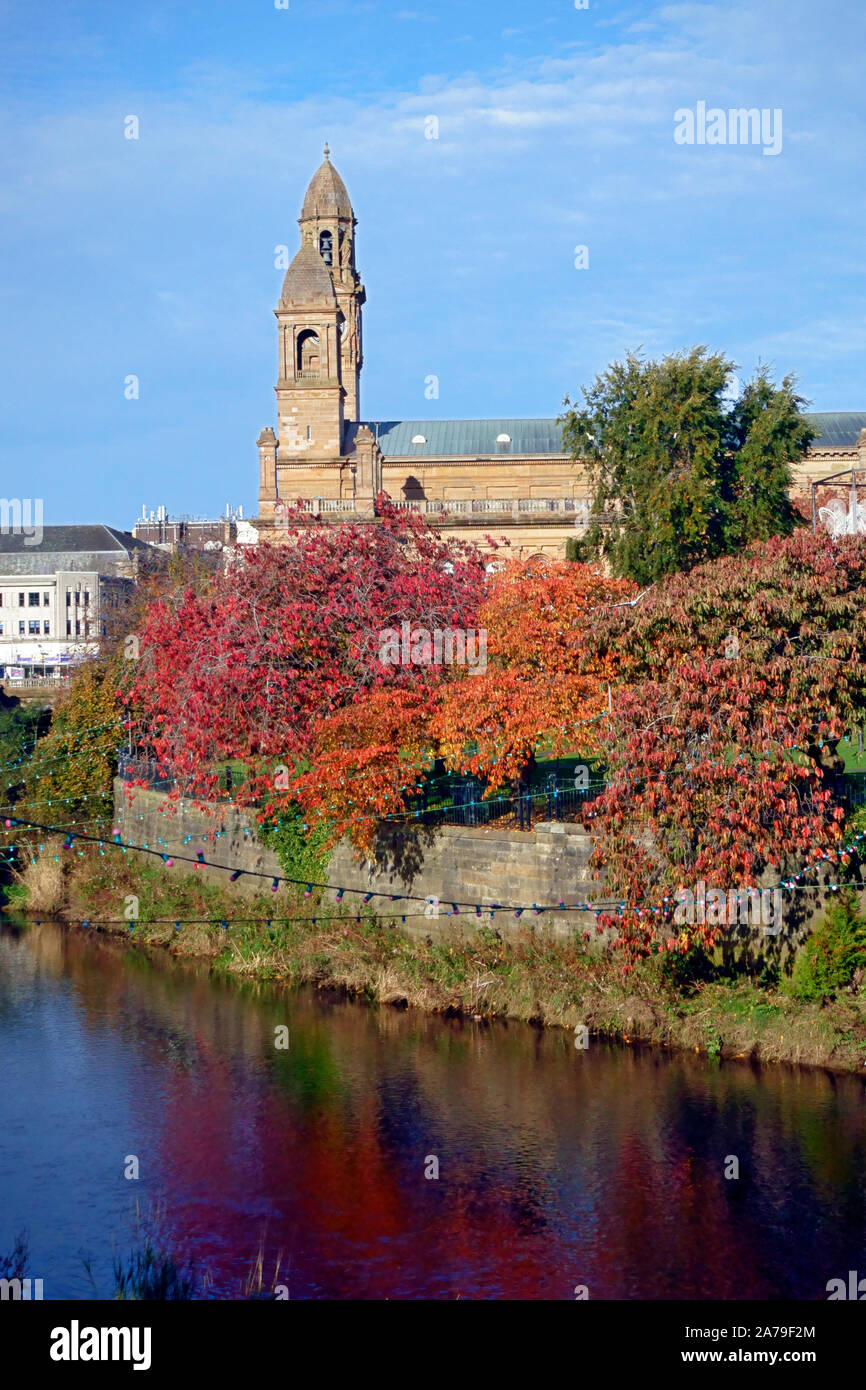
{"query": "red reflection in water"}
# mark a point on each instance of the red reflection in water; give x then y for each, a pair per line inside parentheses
(557, 1167)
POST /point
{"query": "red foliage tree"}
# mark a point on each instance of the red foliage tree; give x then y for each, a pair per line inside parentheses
(291, 633)
(366, 761)
(736, 683)
(545, 684)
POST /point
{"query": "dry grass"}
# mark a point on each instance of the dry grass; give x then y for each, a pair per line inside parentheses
(42, 878)
(550, 982)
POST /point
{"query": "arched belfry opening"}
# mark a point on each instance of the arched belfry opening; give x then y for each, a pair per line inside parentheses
(326, 247)
(307, 361)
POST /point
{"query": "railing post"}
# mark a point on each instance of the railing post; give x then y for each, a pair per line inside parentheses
(551, 796)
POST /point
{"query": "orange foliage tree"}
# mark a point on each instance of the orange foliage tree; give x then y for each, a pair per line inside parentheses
(544, 686)
(366, 761)
(536, 622)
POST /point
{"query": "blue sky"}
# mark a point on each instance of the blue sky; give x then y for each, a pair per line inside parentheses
(155, 257)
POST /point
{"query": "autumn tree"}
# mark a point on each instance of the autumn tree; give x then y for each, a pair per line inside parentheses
(21, 726)
(539, 688)
(289, 634)
(679, 474)
(69, 776)
(367, 761)
(160, 577)
(544, 687)
(736, 684)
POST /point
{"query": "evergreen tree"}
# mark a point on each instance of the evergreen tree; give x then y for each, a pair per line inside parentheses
(679, 475)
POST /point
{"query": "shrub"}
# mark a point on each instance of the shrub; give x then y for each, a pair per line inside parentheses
(72, 767)
(301, 850)
(835, 950)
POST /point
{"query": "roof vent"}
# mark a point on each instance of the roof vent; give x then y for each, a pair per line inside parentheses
(419, 439)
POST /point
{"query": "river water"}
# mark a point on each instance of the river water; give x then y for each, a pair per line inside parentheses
(557, 1168)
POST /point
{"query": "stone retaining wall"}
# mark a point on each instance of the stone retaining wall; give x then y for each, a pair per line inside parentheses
(480, 865)
(152, 818)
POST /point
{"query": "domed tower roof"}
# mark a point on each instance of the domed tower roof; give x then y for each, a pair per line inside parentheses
(326, 195)
(308, 280)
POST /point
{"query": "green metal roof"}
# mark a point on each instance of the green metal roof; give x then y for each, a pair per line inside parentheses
(466, 437)
(835, 429)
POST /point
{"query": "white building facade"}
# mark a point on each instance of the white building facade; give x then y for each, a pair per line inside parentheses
(56, 597)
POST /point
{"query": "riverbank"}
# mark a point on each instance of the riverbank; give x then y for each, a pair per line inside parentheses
(531, 978)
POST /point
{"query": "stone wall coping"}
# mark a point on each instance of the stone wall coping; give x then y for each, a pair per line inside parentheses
(514, 837)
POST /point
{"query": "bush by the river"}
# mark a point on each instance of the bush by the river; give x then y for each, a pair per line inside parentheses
(833, 955)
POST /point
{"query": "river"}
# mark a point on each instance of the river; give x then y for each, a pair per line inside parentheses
(558, 1169)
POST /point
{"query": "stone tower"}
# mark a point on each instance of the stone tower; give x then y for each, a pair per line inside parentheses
(319, 328)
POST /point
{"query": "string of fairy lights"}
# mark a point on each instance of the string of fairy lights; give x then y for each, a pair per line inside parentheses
(608, 906)
(612, 907)
(73, 734)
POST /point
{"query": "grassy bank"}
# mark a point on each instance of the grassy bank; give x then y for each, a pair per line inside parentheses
(534, 979)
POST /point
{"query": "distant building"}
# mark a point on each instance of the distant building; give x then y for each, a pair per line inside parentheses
(57, 597)
(468, 478)
(188, 532)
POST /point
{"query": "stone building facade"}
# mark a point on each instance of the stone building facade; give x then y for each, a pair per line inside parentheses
(470, 478)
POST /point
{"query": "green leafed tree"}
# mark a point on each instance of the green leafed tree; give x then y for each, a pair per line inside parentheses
(679, 473)
(69, 775)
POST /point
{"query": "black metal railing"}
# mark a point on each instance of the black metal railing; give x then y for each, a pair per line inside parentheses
(556, 800)
(148, 771)
(462, 802)
(853, 790)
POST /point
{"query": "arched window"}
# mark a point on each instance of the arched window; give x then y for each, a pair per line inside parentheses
(326, 245)
(308, 353)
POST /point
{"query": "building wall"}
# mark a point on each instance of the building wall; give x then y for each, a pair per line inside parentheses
(478, 865)
(13, 612)
(152, 818)
(455, 479)
(210, 533)
(74, 614)
(505, 478)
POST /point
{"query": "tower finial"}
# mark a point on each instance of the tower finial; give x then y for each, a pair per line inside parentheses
(327, 151)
